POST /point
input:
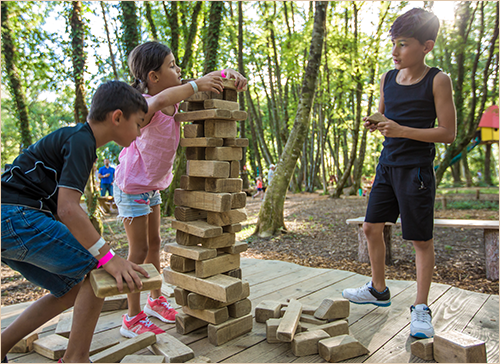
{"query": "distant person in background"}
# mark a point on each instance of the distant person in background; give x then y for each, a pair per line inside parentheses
(106, 174)
(260, 188)
(270, 174)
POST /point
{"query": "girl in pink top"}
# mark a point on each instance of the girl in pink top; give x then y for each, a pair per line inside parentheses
(146, 168)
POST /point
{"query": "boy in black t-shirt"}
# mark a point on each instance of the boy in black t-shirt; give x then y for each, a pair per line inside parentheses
(411, 98)
(48, 179)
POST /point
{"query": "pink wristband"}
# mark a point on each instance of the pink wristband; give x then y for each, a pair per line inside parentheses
(106, 258)
(223, 74)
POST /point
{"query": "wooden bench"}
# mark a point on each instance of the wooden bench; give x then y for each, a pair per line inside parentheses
(490, 228)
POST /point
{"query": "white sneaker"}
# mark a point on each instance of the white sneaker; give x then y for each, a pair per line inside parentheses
(368, 294)
(421, 322)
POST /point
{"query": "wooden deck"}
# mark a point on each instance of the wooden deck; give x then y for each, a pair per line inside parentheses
(384, 331)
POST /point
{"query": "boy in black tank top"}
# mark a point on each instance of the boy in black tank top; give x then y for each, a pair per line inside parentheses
(412, 96)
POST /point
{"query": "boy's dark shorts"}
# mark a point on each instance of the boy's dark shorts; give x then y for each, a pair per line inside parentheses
(407, 191)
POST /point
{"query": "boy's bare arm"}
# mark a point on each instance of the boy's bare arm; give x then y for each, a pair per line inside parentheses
(381, 106)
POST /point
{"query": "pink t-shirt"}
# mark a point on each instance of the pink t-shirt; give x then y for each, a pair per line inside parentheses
(147, 163)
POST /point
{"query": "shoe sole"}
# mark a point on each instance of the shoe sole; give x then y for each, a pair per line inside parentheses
(376, 303)
(150, 312)
(127, 333)
(421, 335)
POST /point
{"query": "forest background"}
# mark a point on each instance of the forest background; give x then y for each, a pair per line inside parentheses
(55, 54)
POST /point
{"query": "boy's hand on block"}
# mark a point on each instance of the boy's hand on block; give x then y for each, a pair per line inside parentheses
(109, 281)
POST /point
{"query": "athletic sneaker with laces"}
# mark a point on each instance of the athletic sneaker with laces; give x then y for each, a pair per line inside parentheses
(421, 322)
(138, 325)
(160, 308)
(368, 294)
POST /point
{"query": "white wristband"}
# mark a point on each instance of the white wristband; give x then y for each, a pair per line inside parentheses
(94, 249)
(194, 85)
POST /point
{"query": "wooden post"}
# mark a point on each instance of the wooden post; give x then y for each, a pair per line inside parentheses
(491, 253)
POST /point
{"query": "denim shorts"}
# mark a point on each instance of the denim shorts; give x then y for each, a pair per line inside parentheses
(43, 249)
(130, 206)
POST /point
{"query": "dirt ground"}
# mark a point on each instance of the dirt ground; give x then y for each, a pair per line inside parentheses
(318, 236)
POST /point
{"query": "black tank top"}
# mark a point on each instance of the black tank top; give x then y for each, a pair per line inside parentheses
(412, 106)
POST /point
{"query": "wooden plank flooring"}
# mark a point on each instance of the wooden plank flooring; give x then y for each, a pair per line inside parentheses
(383, 330)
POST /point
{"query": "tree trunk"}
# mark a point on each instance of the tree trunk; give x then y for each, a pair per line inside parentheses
(111, 55)
(187, 59)
(14, 80)
(212, 37)
(130, 25)
(149, 17)
(259, 131)
(179, 170)
(487, 165)
(173, 21)
(271, 219)
(241, 98)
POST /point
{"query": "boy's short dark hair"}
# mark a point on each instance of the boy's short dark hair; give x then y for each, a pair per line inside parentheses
(416, 23)
(116, 95)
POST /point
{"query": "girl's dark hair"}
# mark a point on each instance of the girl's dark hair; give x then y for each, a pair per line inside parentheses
(416, 23)
(145, 58)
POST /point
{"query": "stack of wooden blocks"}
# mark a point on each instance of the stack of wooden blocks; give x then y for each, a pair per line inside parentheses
(322, 330)
(205, 260)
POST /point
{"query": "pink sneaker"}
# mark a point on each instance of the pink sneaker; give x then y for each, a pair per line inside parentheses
(138, 325)
(161, 309)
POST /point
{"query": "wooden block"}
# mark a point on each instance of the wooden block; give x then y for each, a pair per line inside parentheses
(229, 84)
(233, 228)
(236, 273)
(201, 142)
(217, 202)
(289, 322)
(306, 343)
(104, 284)
(190, 183)
(226, 218)
(186, 239)
(220, 129)
(52, 346)
(239, 115)
(376, 118)
(183, 213)
(311, 319)
(115, 303)
(173, 350)
(224, 154)
(232, 328)
(267, 309)
(195, 153)
(238, 199)
(25, 345)
(457, 347)
(191, 252)
(332, 309)
(200, 359)
(221, 104)
(193, 131)
(423, 349)
(223, 241)
(184, 324)
(181, 264)
(334, 328)
(116, 353)
(237, 248)
(181, 296)
(240, 308)
(143, 359)
(236, 142)
(198, 228)
(219, 287)
(203, 95)
(203, 115)
(212, 315)
(230, 95)
(306, 309)
(340, 348)
(199, 302)
(214, 169)
(63, 327)
(223, 184)
(220, 264)
(235, 172)
(272, 325)
(104, 340)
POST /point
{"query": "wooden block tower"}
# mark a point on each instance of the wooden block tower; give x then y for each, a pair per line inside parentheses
(205, 260)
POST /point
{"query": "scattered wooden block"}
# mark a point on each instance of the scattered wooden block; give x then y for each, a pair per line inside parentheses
(240, 308)
(306, 343)
(63, 327)
(219, 264)
(233, 228)
(306, 309)
(193, 131)
(181, 264)
(239, 115)
(224, 154)
(289, 322)
(226, 218)
(200, 359)
(212, 315)
(238, 199)
(423, 349)
(332, 309)
(198, 228)
(223, 241)
(215, 169)
(181, 295)
(191, 183)
(229, 84)
(25, 345)
(104, 284)
(376, 118)
(116, 353)
(235, 173)
(457, 347)
(236, 142)
(232, 328)
(221, 104)
(267, 309)
(219, 287)
(186, 239)
(167, 290)
(143, 359)
(173, 350)
(217, 202)
(203, 115)
(115, 303)
(52, 346)
(191, 252)
(184, 324)
(272, 325)
(220, 129)
(236, 273)
(311, 319)
(340, 348)
(237, 248)
(104, 340)
(223, 184)
(196, 153)
(230, 95)
(201, 142)
(199, 302)
(334, 328)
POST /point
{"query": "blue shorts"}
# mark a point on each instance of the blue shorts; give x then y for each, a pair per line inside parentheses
(130, 206)
(43, 250)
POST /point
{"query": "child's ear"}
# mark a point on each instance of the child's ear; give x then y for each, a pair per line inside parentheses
(116, 116)
(428, 46)
(153, 77)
